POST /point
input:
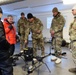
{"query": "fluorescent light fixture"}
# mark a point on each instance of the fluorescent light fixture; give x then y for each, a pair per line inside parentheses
(69, 1)
(3, 2)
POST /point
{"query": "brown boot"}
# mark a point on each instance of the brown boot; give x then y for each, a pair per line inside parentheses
(73, 70)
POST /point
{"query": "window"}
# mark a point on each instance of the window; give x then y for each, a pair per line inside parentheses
(49, 20)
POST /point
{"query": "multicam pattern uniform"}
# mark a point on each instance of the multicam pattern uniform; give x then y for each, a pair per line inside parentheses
(72, 33)
(37, 38)
(57, 26)
(22, 28)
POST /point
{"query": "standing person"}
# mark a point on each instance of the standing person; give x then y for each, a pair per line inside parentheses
(22, 27)
(5, 63)
(72, 33)
(36, 28)
(56, 31)
(10, 33)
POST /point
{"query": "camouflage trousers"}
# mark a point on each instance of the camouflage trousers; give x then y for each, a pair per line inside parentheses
(74, 60)
(22, 44)
(57, 42)
(38, 43)
(73, 47)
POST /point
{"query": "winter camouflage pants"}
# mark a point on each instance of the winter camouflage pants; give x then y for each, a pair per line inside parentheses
(22, 44)
(73, 47)
(38, 43)
(73, 50)
(56, 42)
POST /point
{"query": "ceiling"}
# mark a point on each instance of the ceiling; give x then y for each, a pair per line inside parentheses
(33, 6)
(3, 2)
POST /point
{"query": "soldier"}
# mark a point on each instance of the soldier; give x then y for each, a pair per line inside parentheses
(22, 26)
(36, 28)
(72, 33)
(56, 31)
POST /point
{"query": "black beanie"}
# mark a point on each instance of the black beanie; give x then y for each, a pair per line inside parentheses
(22, 13)
(1, 10)
(29, 16)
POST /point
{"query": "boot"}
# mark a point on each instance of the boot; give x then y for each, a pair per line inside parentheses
(63, 54)
(14, 64)
(53, 58)
(73, 70)
(58, 54)
(58, 61)
(25, 48)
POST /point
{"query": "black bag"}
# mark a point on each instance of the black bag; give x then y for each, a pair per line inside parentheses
(63, 43)
(28, 55)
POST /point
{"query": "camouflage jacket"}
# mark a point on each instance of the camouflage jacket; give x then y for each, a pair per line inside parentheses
(57, 25)
(22, 25)
(72, 30)
(34, 27)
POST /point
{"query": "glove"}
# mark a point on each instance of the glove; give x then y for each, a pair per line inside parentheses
(10, 27)
(17, 38)
(19, 33)
(38, 31)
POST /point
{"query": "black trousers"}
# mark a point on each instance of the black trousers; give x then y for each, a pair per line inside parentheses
(6, 67)
(12, 49)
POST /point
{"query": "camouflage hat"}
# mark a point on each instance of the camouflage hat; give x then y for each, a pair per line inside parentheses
(55, 9)
(1, 10)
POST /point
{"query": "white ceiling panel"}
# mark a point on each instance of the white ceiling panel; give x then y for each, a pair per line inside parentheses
(34, 6)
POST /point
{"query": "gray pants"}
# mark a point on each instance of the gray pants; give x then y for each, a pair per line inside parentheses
(57, 42)
(73, 47)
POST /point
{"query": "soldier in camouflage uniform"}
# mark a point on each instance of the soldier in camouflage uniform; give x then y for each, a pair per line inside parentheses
(72, 33)
(36, 28)
(56, 31)
(22, 29)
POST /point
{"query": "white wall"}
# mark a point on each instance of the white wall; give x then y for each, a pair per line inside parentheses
(46, 32)
(43, 18)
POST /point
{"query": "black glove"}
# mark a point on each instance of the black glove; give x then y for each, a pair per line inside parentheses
(19, 33)
(10, 27)
(17, 38)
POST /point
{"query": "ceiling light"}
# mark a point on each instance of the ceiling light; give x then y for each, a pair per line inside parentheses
(4, 2)
(69, 1)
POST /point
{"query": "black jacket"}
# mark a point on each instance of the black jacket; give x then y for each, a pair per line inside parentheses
(4, 45)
